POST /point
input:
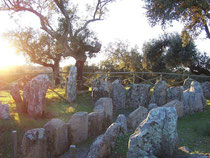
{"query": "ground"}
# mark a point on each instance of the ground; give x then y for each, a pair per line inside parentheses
(194, 131)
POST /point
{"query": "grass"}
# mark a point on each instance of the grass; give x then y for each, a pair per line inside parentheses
(55, 108)
(194, 130)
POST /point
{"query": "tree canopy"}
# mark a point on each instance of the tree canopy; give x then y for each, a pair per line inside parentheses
(193, 14)
(61, 21)
(167, 54)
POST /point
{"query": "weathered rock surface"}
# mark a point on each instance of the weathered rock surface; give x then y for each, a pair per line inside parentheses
(100, 89)
(121, 119)
(138, 95)
(118, 95)
(78, 127)
(136, 117)
(103, 145)
(152, 106)
(57, 136)
(34, 144)
(193, 99)
(108, 109)
(34, 95)
(4, 111)
(206, 89)
(178, 105)
(15, 93)
(159, 95)
(96, 123)
(72, 84)
(156, 136)
(187, 83)
(175, 93)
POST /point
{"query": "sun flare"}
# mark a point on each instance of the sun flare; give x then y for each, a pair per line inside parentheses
(8, 55)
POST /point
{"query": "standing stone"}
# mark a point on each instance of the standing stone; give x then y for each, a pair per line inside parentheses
(196, 87)
(136, 117)
(57, 135)
(96, 123)
(193, 99)
(4, 111)
(187, 83)
(178, 105)
(78, 127)
(206, 89)
(121, 119)
(156, 136)
(15, 93)
(34, 144)
(72, 84)
(152, 106)
(100, 89)
(175, 93)
(138, 95)
(118, 95)
(159, 95)
(34, 95)
(108, 109)
(104, 144)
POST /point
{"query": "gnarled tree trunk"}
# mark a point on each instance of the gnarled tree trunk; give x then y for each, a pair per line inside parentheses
(80, 66)
(56, 72)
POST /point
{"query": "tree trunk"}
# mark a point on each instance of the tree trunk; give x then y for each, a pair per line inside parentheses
(56, 73)
(80, 65)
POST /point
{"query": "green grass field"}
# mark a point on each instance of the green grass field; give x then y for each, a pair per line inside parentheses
(194, 131)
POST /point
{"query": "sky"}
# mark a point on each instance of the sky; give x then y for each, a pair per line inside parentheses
(125, 21)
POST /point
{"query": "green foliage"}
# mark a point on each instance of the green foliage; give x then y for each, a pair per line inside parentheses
(167, 54)
(193, 13)
(121, 58)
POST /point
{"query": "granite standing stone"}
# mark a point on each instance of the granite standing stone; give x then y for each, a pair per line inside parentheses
(136, 117)
(138, 95)
(34, 95)
(100, 89)
(4, 111)
(206, 89)
(156, 136)
(15, 93)
(178, 105)
(175, 93)
(118, 95)
(57, 135)
(78, 127)
(187, 83)
(108, 109)
(72, 84)
(34, 144)
(159, 95)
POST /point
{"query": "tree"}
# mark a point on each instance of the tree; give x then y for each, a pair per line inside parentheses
(168, 54)
(122, 58)
(41, 50)
(193, 13)
(60, 20)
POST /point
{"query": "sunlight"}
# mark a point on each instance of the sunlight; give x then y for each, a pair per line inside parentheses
(8, 55)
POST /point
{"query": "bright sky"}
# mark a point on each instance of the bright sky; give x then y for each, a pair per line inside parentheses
(125, 21)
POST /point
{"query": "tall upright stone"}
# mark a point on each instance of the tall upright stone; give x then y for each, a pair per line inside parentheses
(118, 95)
(57, 135)
(206, 89)
(187, 83)
(156, 135)
(4, 111)
(159, 95)
(108, 109)
(34, 95)
(193, 99)
(78, 127)
(15, 93)
(175, 93)
(100, 89)
(72, 84)
(34, 144)
(138, 95)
